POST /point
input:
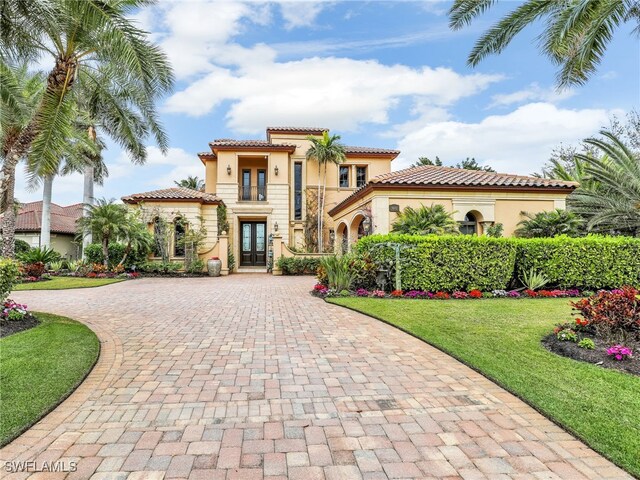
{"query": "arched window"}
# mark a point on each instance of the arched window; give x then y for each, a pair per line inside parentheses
(469, 226)
(179, 229)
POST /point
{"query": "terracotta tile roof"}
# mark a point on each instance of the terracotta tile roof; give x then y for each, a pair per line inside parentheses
(454, 178)
(179, 194)
(433, 175)
(63, 219)
(371, 151)
(229, 142)
(309, 130)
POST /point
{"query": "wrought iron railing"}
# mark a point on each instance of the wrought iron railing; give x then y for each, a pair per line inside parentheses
(254, 193)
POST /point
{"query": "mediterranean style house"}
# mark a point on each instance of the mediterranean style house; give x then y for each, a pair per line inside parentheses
(267, 188)
(63, 227)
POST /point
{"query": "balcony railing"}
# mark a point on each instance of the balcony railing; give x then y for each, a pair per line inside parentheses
(252, 193)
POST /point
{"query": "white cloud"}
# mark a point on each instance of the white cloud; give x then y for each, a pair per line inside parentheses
(340, 92)
(517, 142)
(532, 93)
(298, 13)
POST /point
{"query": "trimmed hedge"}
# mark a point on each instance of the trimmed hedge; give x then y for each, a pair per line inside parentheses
(8, 276)
(450, 263)
(446, 263)
(298, 265)
(591, 262)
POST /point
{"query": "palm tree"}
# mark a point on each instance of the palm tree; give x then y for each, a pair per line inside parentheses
(136, 236)
(83, 38)
(433, 220)
(194, 183)
(550, 224)
(575, 36)
(324, 150)
(610, 201)
(107, 221)
(20, 92)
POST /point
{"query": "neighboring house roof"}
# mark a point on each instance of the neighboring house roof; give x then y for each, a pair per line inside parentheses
(297, 130)
(63, 219)
(449, 178)
(176, 194)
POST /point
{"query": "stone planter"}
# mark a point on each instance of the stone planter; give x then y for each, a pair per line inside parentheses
(214, 265)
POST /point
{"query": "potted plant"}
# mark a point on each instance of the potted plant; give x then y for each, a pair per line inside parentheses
(214, 265)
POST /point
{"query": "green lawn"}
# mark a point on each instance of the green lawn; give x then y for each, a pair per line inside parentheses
(501, 338)
(63, 283)
(40, 367)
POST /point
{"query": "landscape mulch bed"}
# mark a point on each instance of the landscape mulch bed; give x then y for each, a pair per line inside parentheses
(598, 355)
(9, 327)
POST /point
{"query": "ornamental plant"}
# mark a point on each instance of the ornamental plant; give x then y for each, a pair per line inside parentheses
(620, 352)
(8, 276)
(567, 335)
(475, 293)
(13, 311)
(362, 292)
(378, 293)
(459, 295)
(587, 344)
(396, 293)
(614, 314)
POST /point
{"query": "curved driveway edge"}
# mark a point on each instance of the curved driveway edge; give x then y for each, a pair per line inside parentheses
(249, 376)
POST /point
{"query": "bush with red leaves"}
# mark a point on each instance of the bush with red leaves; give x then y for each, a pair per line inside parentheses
(614, 313)
(33, 269)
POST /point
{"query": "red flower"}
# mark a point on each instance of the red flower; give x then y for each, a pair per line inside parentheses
(475, 294)
(396, 293)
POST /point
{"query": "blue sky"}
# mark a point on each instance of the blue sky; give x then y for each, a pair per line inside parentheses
(386, 74)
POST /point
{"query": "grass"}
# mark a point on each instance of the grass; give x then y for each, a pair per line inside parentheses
(501, 339)
(64, 283)
(39, 368)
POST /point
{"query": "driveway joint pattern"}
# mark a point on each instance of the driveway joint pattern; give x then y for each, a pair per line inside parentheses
(248, 376)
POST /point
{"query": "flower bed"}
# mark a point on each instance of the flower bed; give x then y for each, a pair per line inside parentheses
(14, 318)
(321, 290)
(606, 333)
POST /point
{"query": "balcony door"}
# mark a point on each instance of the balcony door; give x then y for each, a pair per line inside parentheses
(253, 244)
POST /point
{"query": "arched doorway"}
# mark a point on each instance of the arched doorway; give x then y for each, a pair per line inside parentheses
(342, 235)
(469, 226)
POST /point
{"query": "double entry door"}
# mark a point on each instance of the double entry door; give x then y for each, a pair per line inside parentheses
(253, 244)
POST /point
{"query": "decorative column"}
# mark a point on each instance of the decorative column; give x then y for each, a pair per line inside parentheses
(277, 252)
(223, 252)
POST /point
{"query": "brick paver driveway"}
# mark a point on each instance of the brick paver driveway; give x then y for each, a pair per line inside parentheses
(249, 377)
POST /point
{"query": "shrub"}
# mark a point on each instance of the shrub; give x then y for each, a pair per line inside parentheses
(446, 263)
(161, 267)
(42, 255)
(33, 269)
(21, 247)
(495, 230)
(93, 254)
(534, 280)
(8, 276)
(587, 344)
(614, 314)
(298, 265)
(591, 262)
(340, 275)
(13, 311)
(196, 266)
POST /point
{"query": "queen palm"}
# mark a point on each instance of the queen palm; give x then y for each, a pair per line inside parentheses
(433, 220)
(81, 39)
(575, 37)
(610, 201)
(194, 183)
(324, 150)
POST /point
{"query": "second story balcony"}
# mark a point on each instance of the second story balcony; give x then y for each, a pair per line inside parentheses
(252, 193)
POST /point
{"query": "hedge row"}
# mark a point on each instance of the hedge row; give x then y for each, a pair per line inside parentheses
(445, 263)
(590, 262)
(449, 263)
(298, 265)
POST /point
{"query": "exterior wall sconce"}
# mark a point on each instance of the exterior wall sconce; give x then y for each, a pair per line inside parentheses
(228, 169)
(275, 170)
(366, 224)
(275, 227)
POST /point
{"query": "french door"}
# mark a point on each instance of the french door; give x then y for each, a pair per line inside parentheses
(253, 244)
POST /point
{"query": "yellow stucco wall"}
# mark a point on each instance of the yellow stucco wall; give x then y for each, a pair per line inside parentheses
(61, 243)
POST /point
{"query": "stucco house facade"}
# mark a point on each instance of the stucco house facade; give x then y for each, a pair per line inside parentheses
(63, 227)
(267, 188)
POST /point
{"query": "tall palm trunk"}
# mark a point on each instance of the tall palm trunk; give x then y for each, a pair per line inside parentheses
(324, 195)
(9, 218)
(87, 197)
(319, 218)
(45, 224)
(105, 250)
(87, 201)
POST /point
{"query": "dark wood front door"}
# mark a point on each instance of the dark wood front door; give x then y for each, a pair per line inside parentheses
(253, 244)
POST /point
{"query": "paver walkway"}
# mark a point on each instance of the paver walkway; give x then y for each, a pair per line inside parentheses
(250, 377)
